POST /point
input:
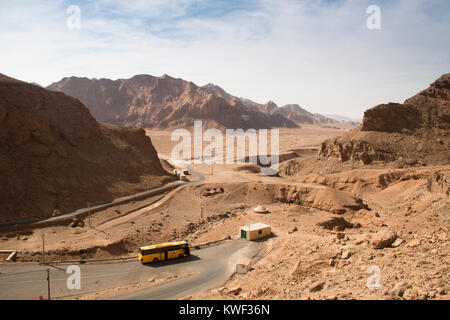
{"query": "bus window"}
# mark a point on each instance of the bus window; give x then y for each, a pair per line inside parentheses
(164, 251)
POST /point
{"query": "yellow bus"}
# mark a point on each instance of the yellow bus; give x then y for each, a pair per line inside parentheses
(164, 251)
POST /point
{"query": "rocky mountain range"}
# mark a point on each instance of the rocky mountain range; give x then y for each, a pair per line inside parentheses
(293, 112)
(165, 102)
(343, 118)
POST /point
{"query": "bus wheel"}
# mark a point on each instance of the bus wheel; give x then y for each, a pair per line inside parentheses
(180, 256)
(155, 260)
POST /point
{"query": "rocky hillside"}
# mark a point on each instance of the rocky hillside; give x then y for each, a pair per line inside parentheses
(164, 102)
(299, 115)
(416, 132)
(55, 157)
(292, 112)
(426, 110)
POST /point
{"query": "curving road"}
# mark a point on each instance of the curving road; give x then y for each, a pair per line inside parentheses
(216, 266)
(103, 205)
(211, 266)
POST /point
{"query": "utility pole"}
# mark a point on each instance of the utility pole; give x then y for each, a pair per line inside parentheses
(48, 283)
(89, 212)
(212, 164)
(43, 247)
(201, 207)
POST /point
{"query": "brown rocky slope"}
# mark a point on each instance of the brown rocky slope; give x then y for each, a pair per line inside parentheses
(293, 112)
(299, 115)
(164, 102)
(416, 132)
(55, 156)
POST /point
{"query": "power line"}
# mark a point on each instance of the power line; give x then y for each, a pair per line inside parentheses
(25, 272)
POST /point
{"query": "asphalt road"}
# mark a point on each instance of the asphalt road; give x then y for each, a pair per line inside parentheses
(211, 267)
(62, 217)
(111, 203)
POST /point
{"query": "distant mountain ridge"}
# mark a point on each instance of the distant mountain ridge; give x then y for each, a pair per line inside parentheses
(165, 102)
(343, 118)
(292, 112)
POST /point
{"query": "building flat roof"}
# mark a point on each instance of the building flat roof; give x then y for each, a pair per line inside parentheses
(161, 245)
(245, 261)
(255, 226)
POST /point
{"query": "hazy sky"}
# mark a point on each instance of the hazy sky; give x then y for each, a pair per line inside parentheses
(318, 54)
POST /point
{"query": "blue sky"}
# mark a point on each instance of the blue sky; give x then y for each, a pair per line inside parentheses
(318, 54)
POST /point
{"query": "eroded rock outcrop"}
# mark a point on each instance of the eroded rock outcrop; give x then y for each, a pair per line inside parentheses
(428, 109)
(416, 131)
(355, 150)
(55, 155)
(320, 197)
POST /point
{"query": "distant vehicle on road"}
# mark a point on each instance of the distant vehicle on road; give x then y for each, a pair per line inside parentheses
(164, 251)
(183, 177)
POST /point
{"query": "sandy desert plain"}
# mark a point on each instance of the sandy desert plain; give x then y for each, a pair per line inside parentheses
(330, 225)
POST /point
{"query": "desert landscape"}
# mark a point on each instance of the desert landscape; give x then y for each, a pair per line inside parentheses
(232, 158)
(347, 197)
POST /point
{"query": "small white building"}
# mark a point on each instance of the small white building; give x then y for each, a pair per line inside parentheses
(255, 231)
(243, 266)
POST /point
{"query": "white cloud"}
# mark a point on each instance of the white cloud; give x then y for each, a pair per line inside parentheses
(318, 55)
